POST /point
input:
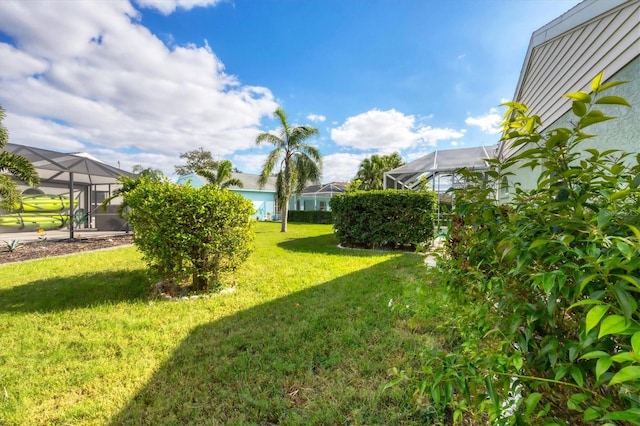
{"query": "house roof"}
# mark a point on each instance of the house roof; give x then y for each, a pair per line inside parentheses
(440, 161)
(564, 55)
(249, 182)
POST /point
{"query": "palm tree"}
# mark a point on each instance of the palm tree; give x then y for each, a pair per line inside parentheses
(221, 178)
(128, 184)
(299, 162)
(371, 171)
(17, 166)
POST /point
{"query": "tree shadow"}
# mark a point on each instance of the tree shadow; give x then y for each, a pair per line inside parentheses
(78, 291)
(319, 356)
(325, 243)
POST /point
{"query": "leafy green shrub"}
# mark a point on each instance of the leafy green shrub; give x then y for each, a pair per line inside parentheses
(310, 216)
(554, 282)
(384, 218)
(185, 232)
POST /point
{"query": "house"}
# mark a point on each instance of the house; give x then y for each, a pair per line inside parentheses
(264, 199)
(317, 197)
(563, 57)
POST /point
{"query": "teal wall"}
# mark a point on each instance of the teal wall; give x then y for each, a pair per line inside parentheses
(623, 133)
(263, 201)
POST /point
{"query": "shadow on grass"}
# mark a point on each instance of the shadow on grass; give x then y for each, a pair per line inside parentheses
(319, 356)
(79, 291)
(325, 243)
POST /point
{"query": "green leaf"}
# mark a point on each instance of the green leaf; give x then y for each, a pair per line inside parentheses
(490, 391)
(636, 181)
(538, 243)
(621, 357)
(594, 316)
(602, 365)
(611, 84)
(635, 342)
(632, 414)
(612, 100)
(577, 375)
(586, 301)
(630, 279)
(579, 96)
(627, 302)
(594, 354)
(579, 108)
(548, 282)
(612, 324)
(595, 83)
(590, 414)
(587, 121)
(531, 402)
(626, 374)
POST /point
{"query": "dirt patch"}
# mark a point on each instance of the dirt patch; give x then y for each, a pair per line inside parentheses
(50, 248)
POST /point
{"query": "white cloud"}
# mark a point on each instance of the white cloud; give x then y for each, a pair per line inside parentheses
(488, 123)
(316, 118)
(87, 76)
(341, 167)
(388, 131)
(166, 7)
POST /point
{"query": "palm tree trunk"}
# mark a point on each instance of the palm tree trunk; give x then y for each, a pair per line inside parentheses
(285, 213)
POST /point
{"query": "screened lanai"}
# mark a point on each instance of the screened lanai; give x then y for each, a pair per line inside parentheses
(81, 177)
(438, 169)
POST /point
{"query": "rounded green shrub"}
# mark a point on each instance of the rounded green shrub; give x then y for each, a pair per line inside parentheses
(187, 233)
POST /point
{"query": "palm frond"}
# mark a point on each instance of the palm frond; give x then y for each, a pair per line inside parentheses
(268, 166)
(232, 182)
(19, 167)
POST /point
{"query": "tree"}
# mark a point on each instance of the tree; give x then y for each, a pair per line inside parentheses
(196, 159)
(140, 170)
(221, 177)
(299, 162)
(371, 171)
(17, 166)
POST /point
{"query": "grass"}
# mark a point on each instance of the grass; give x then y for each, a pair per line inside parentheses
(307, 337)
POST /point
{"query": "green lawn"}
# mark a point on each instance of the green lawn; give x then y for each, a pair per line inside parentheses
(307, 337)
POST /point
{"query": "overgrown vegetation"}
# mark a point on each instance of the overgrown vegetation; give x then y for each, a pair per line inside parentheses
(552, 332)
(186, 233)
(393, 219)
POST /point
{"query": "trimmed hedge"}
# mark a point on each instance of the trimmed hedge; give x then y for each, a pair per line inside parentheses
(391, 218)
(310, 216)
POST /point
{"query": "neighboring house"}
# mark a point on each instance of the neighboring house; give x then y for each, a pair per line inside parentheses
(564, 56)
(437, 170)
(264, 199)
(317, 197)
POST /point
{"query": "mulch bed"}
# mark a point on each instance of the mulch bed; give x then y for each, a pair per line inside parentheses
(50, 248)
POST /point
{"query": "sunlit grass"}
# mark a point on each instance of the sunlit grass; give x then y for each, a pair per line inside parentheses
(307, 337)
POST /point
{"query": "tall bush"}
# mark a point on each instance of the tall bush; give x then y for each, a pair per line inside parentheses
(553, 281)
(384, 218)
(190, 233)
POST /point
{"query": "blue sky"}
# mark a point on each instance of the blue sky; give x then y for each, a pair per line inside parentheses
(139, 82)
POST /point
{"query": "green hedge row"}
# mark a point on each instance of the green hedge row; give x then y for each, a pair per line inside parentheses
(384, 218)
(309, 216)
